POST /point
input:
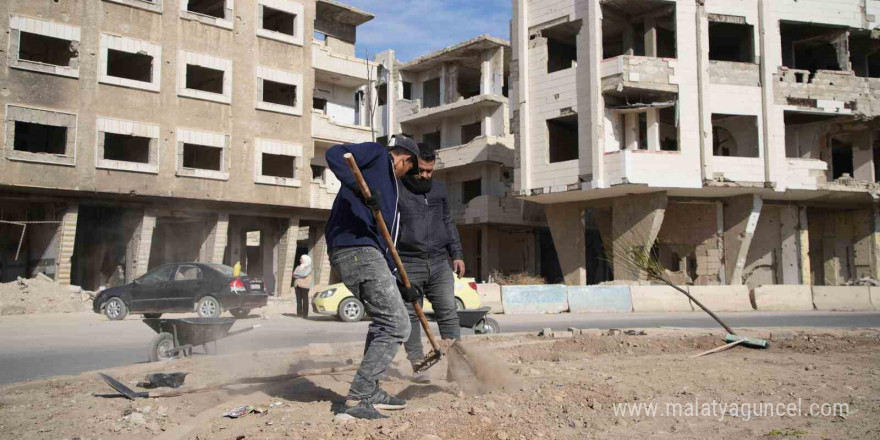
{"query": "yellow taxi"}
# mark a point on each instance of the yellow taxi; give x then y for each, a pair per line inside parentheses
(337, 300)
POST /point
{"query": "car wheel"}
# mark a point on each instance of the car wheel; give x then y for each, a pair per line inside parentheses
(208, 307)
(240, 313)
(487, 326)
(351, 310)
(115, 309)
(152, 315)
(459, 304)
(161, 346)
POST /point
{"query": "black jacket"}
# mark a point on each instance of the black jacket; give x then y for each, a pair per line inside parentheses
(426, 227)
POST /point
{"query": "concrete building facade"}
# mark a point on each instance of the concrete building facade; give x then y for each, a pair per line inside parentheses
(138, 132)
(739, 139)
(455, 99)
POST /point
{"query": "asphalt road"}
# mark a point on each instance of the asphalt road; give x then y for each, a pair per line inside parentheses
(40, 346)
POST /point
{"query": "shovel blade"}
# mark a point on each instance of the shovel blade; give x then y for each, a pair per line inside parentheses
(122, 389)
(429, 361)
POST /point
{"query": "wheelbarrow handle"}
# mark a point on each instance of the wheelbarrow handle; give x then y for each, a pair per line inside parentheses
(383, 229)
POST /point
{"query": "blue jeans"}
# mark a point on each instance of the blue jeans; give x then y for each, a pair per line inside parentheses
(365, 273)
(436, 280)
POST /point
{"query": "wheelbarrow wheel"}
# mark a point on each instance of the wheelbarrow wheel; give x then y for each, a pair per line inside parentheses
(160, 347)
(487, 326)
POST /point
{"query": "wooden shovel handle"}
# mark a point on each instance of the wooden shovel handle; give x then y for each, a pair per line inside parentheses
(383, 229)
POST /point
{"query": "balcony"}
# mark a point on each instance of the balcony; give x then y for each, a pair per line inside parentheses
(499, 210)
(638, 74)
(805, 173)
(481, 149)
(652, 168)
(327, 129)
(738, 169)
(828, 91)
(320, 197)
(344, 70)
(412, 112)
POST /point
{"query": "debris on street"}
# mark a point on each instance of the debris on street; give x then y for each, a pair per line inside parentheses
(41, 295)
(566, 388)
(159, 380)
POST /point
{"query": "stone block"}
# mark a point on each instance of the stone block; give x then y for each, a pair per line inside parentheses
(659, 299)
(843, 298)
(722, 298)
(490, 295)
(778, 297)
(519, 300)
(875, 297)
(586, 299)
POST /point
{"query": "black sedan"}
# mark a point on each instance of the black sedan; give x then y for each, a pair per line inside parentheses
(207, 289)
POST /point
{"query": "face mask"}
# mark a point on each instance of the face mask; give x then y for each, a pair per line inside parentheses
(416, 185)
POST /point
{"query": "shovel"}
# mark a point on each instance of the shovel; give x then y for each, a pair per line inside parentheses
(436, 353)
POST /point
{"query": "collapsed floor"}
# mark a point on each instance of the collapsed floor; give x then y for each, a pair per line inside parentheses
(565, 389)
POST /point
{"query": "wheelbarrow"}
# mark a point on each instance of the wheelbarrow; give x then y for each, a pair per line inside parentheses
(477, 320)
(177, 337)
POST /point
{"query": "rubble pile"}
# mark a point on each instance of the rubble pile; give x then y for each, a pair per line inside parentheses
(41, 294)
(864, 281)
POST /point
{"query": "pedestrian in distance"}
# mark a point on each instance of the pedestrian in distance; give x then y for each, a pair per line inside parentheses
(302, 283)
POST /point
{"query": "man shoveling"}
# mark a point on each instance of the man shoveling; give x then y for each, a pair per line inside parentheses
(361, 258)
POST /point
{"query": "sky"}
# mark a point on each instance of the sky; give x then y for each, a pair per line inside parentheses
(417, 27)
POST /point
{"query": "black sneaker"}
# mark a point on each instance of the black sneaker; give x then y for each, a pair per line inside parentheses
(360, 410)
(382, 400)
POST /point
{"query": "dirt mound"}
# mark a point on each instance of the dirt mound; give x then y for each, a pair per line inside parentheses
(566, 389)
(41, 295)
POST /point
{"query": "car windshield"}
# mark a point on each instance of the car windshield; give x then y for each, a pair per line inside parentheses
(224, 269)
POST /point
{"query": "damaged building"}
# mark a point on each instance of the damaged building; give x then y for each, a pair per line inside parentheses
(143, 132)
(456, 100)
(739, 141)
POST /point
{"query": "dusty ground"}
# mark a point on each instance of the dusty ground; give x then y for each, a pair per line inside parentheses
(41, 295)
(564, 388)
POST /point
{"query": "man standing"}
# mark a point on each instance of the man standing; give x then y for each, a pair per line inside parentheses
(302, 276)
(428, 240)
(362, 259)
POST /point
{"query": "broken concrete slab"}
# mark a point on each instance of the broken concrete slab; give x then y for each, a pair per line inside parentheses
(587, 299)
(777, 297)
(842, 298)
(519, 300)
(659, 299)
(723, 298)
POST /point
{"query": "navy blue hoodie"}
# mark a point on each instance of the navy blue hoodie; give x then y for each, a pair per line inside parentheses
(351, 223)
